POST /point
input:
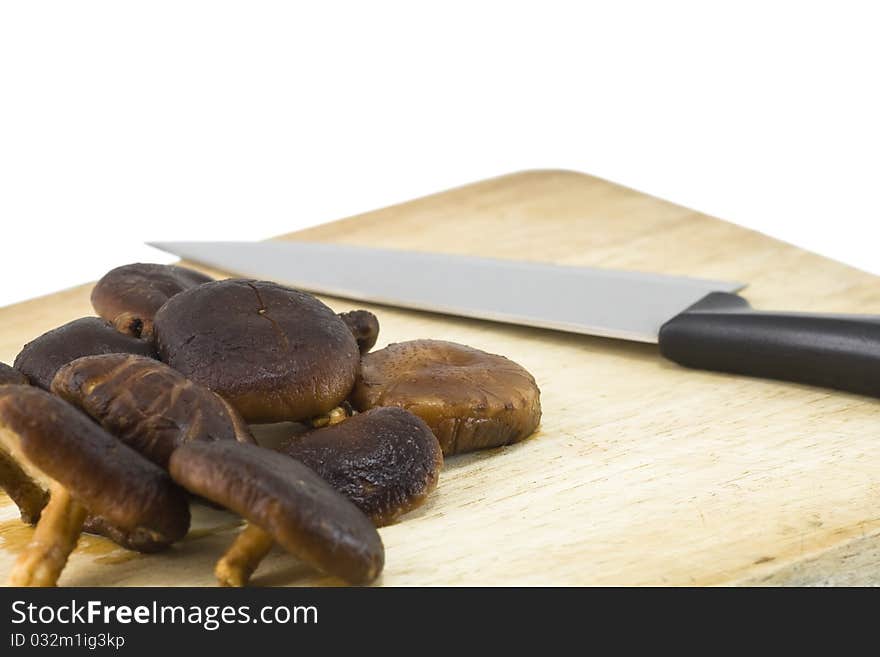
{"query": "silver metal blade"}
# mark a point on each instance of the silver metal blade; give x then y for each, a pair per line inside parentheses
(605, 302)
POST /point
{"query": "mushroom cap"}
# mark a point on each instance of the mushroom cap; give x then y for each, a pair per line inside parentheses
(138, 541)
(101, 473)
(301, 511)
(29, 495)
(146, 404)
(274, 353)
(11, 375)
(386, 460)
(470, 399)
(364, 326)
(138, 290)
(40, 358)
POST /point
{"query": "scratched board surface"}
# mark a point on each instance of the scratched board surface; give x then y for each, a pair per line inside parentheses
(642, 472)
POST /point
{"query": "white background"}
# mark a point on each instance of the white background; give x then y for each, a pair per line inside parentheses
(122, 122)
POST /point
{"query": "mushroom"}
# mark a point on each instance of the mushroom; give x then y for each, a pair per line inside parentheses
(284, 502)
(386, 460)
(88, 470)
(364, 325)
(470, 399)
(11, 375)
(42, 357)
(27, 493)
(146, 404)
(129, 296)
(145, 542)
(29, 496)
(274, 353)
(337, 415)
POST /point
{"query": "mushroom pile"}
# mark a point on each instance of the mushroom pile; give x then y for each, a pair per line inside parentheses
(116, 424)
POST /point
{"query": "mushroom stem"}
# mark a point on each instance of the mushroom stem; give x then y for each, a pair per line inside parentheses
(244, 555)
(134, 325)
(27, 494)
(55, 537)
(337, 415)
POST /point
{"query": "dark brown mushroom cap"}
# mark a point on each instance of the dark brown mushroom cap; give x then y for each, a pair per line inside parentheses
(42, 357)
(364, 326)
(29, 495)
(469, 398)
(139, 541)
(12, 375)
(274, 353)
(138, 290)
(386, 460)
(146, 404)
(301, 511)
(101, 473)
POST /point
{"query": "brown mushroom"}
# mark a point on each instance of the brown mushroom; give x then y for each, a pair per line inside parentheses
(42, 357)
(274, 353)
(89, 470)
(146, 404)
(129, 296)
(364, 325)
(284, 502)
(27, 494)
(145, 542)
(335, 416)
(386, 460)
(31, 496)
(11, 375)
(470, 399)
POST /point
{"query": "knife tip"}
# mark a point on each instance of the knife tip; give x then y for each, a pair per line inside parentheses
(168, 247)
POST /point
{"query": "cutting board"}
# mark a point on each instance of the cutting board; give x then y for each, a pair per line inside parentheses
(642, 472)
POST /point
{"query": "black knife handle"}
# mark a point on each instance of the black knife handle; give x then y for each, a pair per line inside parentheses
(723, 333)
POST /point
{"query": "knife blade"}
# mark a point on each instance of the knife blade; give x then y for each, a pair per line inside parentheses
(604, 302)
(697, 323)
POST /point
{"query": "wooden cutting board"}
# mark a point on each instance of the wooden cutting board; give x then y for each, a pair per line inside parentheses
(642, 472)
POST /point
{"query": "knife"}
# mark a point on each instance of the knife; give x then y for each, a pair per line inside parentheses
(697, 323)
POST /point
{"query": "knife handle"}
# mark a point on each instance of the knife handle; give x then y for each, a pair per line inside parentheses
(723, 333)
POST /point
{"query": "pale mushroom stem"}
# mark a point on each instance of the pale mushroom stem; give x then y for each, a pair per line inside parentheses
(27, 494)
(244, 555)
(55, 537)
(335, 416)
(131, 324)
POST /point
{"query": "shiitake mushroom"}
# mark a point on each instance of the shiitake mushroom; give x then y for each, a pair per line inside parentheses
(284, 502)
(42, 357)
(272, 352)
(129, 296)
(147, 405)
(89, 471)
(28, 494)
(31, 494)
(364, 325)
(470, 399)
(11, 375)
(385, 460)
(142, 402)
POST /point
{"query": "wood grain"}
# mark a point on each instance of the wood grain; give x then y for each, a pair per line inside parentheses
(642, 472)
